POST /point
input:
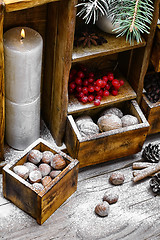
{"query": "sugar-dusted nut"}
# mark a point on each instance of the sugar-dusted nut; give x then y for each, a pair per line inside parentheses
(58, 162)
(30, 166)
(38, 187)
(35, 176)
(102, 209)
(54, 173)
(47, 156)
(109, 122)
(82, 119)
(88, 129)
(46, 180)
(129, 120)
(110, 197)
(113, 110)
(21, 171)
(45, 169)
(35, 156)
(117, 178)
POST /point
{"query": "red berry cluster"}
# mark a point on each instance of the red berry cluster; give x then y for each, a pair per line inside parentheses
(87, 88)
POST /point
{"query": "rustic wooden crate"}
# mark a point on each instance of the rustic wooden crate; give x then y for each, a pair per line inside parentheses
(152, 114)
(40, 205)
(108, 145)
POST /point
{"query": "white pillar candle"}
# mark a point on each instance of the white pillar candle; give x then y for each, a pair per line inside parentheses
(23, 61)
(22, 123)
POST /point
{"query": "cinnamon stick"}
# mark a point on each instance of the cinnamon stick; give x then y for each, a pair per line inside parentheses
(141, 165)
(137, 172)
(147, 172)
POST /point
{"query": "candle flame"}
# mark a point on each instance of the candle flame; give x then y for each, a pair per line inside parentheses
(22, 34)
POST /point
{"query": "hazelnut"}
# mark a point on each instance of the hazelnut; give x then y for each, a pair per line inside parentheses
(110, 197)
(35, 156)
(102, 209)
(35, 176)
(58, 162)
(45, 169)
(117, 178)
(21, 171)
(38, 187)
(31, 167)
(46, 180)
(47, 156)
(54, 173)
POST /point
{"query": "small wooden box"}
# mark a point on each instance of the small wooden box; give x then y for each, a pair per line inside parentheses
(40, 205)
(108, 145)
(152, 114)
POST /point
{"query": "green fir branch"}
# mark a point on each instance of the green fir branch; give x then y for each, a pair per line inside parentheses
(133, 16)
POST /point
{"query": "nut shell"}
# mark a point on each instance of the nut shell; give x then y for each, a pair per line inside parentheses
(110, 197)
(21, 171)
(35, 176)
(114, 110)
(45, 169)
(46, 180)
(117, 178)
(83, 119)
(88, 128)
(109, 122)
(102, 209)
(54, 173)
(35, 156)
(58, 162)
(38, 187)
(47, 156)
(129, 120)
(31, 166)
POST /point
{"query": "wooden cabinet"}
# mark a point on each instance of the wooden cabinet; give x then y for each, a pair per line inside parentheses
(55, 21)
(132, 62)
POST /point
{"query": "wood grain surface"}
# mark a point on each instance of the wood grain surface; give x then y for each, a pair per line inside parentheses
(125, 93)
(136, 215)
(12, 5)
(2, 95)
(113, 45)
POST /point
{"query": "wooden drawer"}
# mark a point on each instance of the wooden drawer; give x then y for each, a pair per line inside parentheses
(108, 145)
(152, 114)
(40, 205)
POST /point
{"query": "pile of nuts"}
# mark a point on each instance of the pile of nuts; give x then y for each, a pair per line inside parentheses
(87, 88)
(40, 168)
(103, 207)
(152, 87)
(110, 119)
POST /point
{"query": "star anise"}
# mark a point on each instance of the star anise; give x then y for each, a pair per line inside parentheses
(88, 39)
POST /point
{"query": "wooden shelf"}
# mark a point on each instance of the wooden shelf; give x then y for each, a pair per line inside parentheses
(125, 93)
(15, 5)
(114, 45)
